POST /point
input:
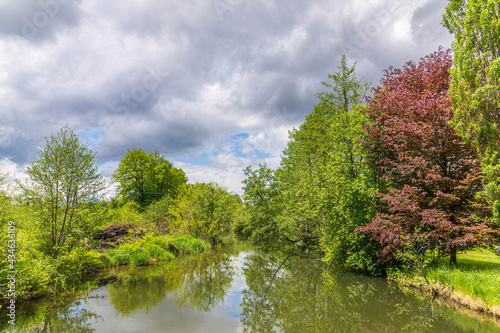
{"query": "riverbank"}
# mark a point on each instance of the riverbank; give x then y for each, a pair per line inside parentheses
(473, 284)
(77, 271)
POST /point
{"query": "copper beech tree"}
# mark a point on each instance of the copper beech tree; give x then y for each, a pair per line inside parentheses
(430, 174)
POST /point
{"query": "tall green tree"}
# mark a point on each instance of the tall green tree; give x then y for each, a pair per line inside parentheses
(321, 191)
(147, 177)
(347, 199)
(324, 177)
(63, 179)
(206, 210)
(475, 84)
(262, 198)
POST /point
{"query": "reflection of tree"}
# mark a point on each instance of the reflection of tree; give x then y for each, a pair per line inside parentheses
(202, 282)
(283, 292)
(61, 314)
(298, 295)
(207, 284)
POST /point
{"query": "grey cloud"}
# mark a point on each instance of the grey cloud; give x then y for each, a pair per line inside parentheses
(38, 20)
(268, 56)
(426, 23)
(169, 137)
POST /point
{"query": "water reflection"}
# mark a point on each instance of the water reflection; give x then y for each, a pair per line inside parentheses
(290, 294)
(246, 292)
(199, 283)
(61, 314)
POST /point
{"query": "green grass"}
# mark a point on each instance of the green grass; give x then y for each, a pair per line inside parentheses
(161, 248)
(477, 275)
(187, 244)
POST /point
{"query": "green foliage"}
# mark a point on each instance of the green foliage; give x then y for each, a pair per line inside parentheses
(263, 204)
(33, 267)
(347, 201)
(321, 191)
(139, 258)
(147, 177)
(187, 244)
(157, 252)
(115, 257)
(158, 217)
(61, 181)
(206, 210)
(127, 213)
(161, 248)
(475, 84)
(70, 269)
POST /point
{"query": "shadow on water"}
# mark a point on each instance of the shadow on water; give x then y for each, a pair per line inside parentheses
(249, 291)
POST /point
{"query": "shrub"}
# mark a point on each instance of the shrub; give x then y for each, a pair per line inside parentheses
(69, 269)
(187, 244)
(157, 252)
(139, 258)
(158, 240)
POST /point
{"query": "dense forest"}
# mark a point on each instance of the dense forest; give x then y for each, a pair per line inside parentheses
(375, 179)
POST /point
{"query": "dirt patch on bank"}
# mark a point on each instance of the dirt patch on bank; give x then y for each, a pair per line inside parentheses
(116, 234)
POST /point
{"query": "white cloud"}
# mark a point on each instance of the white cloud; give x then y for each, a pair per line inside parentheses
(178, 77)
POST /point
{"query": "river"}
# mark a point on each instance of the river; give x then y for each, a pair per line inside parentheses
(244, 290)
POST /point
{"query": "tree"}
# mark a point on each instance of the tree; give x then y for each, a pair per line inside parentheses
(320, 150)
(206, 210)
(147, 177)
(347, 201)
(433, 176)
(62, 180)
(475, 84)
(319, 194)
(262, 203)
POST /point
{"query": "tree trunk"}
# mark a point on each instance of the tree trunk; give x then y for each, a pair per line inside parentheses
(453, 257)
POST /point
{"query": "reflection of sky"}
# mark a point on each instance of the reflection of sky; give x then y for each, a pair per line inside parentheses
(232, 301)
(167, 317)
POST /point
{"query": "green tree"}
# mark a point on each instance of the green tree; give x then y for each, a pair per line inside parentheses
(348, 180)
(323, 179)
(262, 198)
(62, 180)
(475, 83)
(147, 177)
(206, 210)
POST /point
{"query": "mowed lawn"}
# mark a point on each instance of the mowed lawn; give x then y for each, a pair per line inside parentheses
(477, 274)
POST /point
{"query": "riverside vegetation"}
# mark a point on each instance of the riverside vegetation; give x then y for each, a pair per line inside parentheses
(400, 181)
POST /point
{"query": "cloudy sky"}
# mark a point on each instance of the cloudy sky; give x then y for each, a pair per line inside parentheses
(214, 85)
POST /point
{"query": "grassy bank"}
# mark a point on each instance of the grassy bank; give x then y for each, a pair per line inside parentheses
(474, 282)
(41, 276)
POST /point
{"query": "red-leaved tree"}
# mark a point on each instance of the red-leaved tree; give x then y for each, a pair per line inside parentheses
(431, 175)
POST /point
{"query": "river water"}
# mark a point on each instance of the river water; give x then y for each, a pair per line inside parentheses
(245, 291)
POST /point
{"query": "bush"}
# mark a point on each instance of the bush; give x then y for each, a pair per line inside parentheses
(158, 240)
(139, 258)
(69, 269)
(157, 252)
(187, 244)
(34, 274)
